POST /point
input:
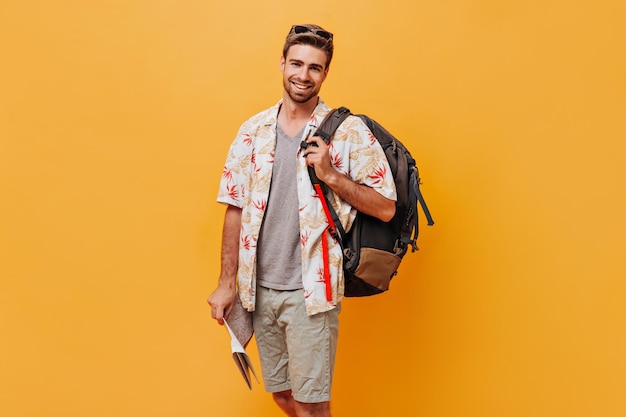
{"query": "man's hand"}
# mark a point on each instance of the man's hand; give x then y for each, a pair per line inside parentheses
(318, 157)
(221, 302)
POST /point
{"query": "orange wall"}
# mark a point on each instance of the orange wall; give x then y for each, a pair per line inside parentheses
(115, 117)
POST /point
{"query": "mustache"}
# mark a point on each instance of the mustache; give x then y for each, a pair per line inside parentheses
(299, 81)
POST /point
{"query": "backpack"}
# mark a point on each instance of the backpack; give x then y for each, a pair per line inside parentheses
(373, 249)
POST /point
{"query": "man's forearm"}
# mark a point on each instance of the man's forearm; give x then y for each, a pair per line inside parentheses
(362, 197)
(230, 246)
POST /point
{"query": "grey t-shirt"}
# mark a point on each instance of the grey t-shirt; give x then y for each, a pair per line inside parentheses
(279, 260)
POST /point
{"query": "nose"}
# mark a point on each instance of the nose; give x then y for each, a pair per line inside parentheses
(303, 73)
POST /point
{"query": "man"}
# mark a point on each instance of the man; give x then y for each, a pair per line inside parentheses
(275, 231)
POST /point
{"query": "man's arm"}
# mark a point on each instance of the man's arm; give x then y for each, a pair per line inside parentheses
(361, 197)
(223, 298)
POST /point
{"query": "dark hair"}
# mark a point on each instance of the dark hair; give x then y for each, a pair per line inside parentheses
(307, 35)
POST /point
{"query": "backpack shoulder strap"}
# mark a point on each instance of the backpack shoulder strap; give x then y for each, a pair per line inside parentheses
(331, 122)
(326, 131)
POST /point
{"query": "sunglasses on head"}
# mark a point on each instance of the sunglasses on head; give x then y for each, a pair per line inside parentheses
(298, 29)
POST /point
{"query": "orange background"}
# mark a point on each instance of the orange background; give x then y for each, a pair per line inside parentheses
(115, 118)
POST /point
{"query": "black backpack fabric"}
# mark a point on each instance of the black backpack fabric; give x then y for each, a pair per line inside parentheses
(373, 249)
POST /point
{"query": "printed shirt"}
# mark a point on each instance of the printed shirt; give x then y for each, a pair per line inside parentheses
(245, 183)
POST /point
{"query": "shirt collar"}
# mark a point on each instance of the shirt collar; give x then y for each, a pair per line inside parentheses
(316, 117)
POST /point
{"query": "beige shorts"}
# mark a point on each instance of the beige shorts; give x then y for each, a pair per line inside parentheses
(297, 352)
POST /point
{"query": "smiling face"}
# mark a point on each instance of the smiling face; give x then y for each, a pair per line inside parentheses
(304, 70)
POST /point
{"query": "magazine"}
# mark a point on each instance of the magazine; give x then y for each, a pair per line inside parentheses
(239, 327)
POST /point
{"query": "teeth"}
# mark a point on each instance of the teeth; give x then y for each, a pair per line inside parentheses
(300, 86)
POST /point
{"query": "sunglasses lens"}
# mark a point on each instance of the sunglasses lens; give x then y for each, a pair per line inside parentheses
(324, 34)
(300, 29)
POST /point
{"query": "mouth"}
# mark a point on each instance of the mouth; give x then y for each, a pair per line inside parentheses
(300, 86)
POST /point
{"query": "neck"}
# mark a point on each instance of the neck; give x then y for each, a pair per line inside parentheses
(292, 116)
(291, 110)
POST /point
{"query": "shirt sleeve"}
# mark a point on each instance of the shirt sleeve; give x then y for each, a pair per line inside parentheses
(232, 186)
(367, 163)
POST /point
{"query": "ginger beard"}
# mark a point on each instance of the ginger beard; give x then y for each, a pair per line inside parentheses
(299, 91)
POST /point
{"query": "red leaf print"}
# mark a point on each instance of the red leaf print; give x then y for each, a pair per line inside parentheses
(232, 191)
(304, 238)
(371, 136)
(379, 174)
(320, 274)
(227, 173)
(247, 139)
(245, 242)
(260, 205)
(336, 161)
(253, 160)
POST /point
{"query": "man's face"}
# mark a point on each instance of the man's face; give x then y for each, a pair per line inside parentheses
(304, 70)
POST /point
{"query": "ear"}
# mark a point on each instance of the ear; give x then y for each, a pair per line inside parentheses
(282, 64)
